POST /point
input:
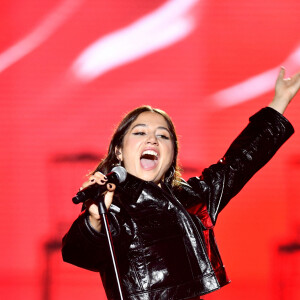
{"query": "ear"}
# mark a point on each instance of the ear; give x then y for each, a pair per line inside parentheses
(118, 153)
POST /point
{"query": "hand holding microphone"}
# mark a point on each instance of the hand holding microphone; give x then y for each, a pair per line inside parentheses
(91, 190)
(97, 185)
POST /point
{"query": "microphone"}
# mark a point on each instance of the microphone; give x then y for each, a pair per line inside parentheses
(117, 175)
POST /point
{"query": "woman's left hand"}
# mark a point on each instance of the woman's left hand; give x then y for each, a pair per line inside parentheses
(285, 90)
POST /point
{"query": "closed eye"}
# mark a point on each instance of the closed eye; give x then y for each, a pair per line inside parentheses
(163, 136)
(139, 133)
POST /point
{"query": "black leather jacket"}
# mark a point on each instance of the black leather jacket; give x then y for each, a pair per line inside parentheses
(163, 237)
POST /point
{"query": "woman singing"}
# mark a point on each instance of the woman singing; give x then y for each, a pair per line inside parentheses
(163, 226)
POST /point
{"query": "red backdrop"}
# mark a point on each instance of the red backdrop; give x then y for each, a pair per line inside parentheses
(70, 69)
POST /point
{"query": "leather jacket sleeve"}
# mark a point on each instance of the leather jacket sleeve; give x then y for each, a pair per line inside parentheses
(85, 247)
(250, 151)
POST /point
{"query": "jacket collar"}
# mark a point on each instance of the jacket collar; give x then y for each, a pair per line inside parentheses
(131, 186)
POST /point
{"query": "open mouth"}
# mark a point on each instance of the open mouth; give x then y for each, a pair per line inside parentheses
(149, 159)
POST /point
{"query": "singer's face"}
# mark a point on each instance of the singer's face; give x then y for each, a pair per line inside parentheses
(147, 150)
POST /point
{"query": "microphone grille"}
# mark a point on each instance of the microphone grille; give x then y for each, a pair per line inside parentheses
(121, 173)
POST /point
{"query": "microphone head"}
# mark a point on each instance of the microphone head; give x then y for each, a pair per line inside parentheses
(120, 172)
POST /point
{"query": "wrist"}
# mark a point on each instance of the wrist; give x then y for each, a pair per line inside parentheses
(279, 104)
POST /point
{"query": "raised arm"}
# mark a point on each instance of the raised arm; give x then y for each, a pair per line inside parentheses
(252, 149)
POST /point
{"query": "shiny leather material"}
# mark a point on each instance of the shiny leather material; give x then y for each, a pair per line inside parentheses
(164, 237)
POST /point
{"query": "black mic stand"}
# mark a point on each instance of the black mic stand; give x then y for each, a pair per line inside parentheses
(103, 213)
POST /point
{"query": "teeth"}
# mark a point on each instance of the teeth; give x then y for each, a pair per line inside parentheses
(150, 152)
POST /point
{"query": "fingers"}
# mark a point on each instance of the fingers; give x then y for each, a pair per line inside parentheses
(296, 78)
(97, 177)
(293, 83)
(100, 179)
(285, 90)
(281, 74)
(111, 187)
(108, 198)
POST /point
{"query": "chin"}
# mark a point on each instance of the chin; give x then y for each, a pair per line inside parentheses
(148, 177)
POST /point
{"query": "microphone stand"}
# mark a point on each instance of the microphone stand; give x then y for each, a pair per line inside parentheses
(103, 213)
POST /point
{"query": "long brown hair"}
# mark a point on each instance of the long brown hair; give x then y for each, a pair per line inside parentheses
(172, 175)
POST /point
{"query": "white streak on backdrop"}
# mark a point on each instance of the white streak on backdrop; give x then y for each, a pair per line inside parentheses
(256, 85)
(39, 34)
(170, 23)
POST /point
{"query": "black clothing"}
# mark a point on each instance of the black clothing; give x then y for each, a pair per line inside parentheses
(163, 237)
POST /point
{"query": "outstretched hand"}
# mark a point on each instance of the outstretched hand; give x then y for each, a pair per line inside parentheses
(285, 90)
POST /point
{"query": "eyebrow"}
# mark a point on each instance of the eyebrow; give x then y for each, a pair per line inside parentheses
(144, 125)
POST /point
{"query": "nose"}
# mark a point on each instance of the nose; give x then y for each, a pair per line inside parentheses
(152, 139)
